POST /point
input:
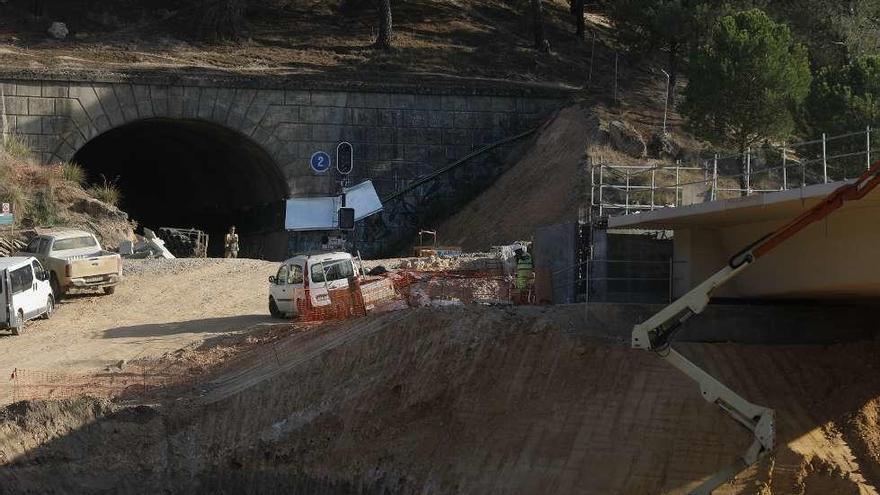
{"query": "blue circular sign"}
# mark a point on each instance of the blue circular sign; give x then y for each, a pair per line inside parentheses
(320, 161)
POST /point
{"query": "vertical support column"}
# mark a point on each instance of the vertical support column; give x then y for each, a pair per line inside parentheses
(714, 176)
(677, 183)
(748, 171)
(824, 161)
(671, 267)
(784, 172)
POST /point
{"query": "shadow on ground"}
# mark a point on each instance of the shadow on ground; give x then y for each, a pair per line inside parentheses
(206, 325)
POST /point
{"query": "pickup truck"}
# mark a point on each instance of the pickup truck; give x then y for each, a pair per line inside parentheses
(74, 259)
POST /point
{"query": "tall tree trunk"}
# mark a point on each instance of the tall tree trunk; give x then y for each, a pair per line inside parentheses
(538, 26)
(222, 19)
(577, 10)
(383, 40)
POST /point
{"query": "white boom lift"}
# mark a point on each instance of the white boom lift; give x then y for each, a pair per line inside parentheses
(656, 333)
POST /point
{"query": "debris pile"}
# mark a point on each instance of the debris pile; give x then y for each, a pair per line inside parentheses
(148, 245)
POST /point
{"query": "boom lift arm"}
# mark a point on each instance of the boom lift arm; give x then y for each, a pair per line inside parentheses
(656, 333)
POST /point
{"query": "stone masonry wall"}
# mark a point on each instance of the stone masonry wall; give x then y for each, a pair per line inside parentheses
(398, 133)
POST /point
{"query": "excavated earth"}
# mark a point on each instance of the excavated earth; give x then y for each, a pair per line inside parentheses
(461, 400)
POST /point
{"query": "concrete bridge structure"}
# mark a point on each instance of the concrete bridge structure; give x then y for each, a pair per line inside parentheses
(209, 151)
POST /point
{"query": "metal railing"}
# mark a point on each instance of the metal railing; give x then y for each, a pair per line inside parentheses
(629, 189)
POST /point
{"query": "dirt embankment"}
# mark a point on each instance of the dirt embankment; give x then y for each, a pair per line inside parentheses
(462, 400)
(546, 186)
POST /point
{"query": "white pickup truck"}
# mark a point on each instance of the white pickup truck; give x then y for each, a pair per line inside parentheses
(74, 259)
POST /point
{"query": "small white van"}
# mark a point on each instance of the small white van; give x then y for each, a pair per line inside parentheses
(319, 272)
(25, 292)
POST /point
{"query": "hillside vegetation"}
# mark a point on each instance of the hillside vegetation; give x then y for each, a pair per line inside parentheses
(44, 197)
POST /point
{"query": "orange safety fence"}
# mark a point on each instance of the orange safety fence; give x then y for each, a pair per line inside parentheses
(127, 382)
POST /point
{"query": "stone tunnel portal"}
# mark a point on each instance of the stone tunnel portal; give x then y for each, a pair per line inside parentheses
(193, 174)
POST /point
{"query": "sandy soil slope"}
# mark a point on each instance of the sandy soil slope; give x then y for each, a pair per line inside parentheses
(462, 400)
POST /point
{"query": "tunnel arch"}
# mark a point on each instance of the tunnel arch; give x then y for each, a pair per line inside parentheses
(191, 173)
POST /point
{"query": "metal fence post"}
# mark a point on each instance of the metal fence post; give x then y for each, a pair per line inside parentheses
(868, 139)
(748, 171)
(714, 176)
(784, 172)
(601, 184)
(627, 193)
(677, 189)
(824, 161)
(653, 185)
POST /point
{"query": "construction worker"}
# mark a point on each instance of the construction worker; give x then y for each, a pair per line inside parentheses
(231, 243)
(524, 270)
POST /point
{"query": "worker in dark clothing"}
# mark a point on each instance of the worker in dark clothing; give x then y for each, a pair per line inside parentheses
(525, 269)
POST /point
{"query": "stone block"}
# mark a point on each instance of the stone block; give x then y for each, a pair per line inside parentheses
(452, 102)
(127, 102)
(54, 90)
(142, 100)
(280, 114)
(458, 136)
(363, 116)
(403, 101)
(191, 95)
(293, 132)
(29, 88)
(390, 151)
(16, 105)
(503, 104)
(109, 103)
(327, 132)
(58, 125)
(389, 118)
(88, 99)
(159, 100)
(323, 115)
(28, 124)
(440, 118)
(479, 104)
(329, 98)
(377, 100)
(428, 102)
(296, 97)
(207, 101)
(415, 118)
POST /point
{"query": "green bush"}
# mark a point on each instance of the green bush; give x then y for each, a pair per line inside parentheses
(107, 192)
(73, 172)
(44, 209)
(17, 147)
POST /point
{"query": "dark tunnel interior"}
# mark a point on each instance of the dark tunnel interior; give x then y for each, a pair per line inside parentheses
(190, 174)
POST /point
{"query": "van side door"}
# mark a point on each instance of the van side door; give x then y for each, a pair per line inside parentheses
(281, 292)
(24, 291)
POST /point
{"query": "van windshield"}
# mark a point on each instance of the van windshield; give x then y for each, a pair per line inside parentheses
(74, 243)
(335, 269)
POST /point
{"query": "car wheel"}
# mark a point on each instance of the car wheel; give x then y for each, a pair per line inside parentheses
(50, 308)
(16, 330)
(56, 287)
(109, 290)
(273, 308)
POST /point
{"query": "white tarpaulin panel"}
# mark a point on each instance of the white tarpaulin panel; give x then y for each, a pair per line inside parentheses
(321, 213)
(363, 199)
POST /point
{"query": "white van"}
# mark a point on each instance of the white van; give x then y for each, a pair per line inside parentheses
(25, 292)
(318, 272)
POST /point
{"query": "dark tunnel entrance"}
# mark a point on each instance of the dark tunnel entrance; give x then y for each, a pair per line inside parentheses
(193, 174)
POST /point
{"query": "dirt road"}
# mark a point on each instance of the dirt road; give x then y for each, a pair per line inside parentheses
(154, 311)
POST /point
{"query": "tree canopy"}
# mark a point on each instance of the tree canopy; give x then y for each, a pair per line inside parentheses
(746, 81)
(845, 99)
